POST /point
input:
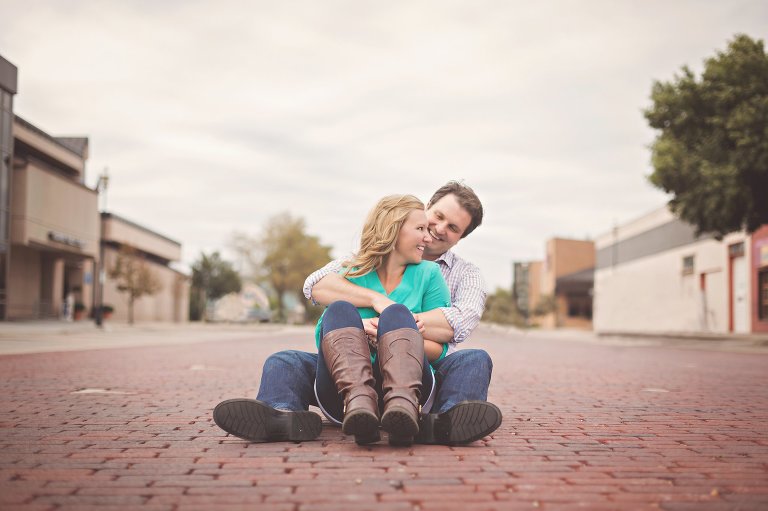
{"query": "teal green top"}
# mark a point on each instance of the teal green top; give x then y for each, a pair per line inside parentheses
(422, 289)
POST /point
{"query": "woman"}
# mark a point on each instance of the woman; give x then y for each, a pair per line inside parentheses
(356, 375)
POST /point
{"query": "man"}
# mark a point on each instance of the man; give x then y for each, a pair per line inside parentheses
(461, 412)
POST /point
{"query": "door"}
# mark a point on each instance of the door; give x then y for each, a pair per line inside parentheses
(739, 295)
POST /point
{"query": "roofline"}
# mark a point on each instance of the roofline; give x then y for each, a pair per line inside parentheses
(48, 137)
(107, 215)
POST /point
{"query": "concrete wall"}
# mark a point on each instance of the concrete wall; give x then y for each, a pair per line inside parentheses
(649, 292)
(27, 134)
(171, 303)
(125, 232)
(23, 283)
(44, 202)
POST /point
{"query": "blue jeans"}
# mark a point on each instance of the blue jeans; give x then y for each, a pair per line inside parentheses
(343, 314)
(287, 380)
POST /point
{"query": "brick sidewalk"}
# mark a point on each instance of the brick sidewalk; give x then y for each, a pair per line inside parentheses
(585, 425)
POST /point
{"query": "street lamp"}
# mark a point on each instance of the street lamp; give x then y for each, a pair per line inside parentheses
(101, 187)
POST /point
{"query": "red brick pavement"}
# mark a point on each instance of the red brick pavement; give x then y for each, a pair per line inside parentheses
(585, 426)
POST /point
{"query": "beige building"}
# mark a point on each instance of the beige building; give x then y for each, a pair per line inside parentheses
(8, 79)
(171, 302)
(54, 233)
(51, 231)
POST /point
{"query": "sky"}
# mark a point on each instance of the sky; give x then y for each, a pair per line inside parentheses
(212, 117)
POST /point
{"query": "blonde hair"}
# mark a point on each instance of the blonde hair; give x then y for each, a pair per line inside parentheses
(382, 225)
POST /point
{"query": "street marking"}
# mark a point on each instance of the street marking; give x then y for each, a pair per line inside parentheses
(199, 367)
(101, 391)
(654, 390)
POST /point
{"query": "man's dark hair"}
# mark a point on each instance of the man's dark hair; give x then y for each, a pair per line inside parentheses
(466, 198)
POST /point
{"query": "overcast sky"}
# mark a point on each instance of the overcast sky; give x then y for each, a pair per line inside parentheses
(214, 116)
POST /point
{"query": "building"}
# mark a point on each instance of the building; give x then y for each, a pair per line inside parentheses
(567, 276)
(54, 225)
(171, 302)
(8, 82)
(557, 292)
(759, 279)
(526, 287)
(51, 230)
(654, 275)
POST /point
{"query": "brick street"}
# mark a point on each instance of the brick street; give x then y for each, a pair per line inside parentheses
(586, 425)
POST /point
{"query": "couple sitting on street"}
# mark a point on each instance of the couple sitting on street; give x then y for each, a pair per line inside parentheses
(387, 343)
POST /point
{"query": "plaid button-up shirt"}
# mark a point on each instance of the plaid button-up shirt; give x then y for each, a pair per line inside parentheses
(464, 282)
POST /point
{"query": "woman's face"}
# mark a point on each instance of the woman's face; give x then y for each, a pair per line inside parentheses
(413, 237)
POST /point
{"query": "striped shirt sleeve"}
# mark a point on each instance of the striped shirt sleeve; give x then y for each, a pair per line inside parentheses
(467, 300)
(332, 267)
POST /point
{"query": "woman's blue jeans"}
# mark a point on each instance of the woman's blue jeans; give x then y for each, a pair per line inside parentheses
(288, 377)
(345, 315)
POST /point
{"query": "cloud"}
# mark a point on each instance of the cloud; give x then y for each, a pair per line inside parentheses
(214, 117)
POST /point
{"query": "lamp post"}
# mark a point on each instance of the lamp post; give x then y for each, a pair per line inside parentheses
(101, 187)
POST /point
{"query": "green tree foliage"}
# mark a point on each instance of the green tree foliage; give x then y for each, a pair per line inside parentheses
(212, 278)
(546, 304)
(133, 276)
(712, 152)
(289, 255)
(500, 307)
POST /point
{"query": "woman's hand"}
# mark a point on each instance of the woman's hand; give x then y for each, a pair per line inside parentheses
(371, 327)
(419, 324)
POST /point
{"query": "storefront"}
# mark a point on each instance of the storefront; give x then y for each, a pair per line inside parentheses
(54, 231)
(760, 280)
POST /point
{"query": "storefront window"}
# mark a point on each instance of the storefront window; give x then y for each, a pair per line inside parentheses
(762, 306)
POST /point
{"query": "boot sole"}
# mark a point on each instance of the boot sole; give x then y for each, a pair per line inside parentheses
(466, 422)
(258, 422)
(400, 425)
(363, 424)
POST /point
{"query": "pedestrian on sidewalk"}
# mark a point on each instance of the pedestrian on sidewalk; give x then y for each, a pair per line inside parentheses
(461, 413)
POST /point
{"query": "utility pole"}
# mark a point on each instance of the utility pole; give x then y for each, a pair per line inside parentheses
(101, 187)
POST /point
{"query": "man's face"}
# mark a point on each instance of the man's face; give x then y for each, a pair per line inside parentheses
(447, 222)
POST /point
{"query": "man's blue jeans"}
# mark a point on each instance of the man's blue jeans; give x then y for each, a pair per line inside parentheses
(287, 380)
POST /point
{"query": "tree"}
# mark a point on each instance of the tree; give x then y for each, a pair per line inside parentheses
(712, 152)
(547, 304)
(289, 254)
(133, 276)
(212, 278)
(247, 255)
(501, 308)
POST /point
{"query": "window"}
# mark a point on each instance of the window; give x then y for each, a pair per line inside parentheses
(736, 250)
(762, 298)
(688, 265)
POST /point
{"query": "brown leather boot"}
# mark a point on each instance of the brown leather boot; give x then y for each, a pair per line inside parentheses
(348, 358)
(401, 359)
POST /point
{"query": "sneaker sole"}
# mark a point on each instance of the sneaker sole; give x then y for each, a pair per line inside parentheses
(257, 422)
(465, 423)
